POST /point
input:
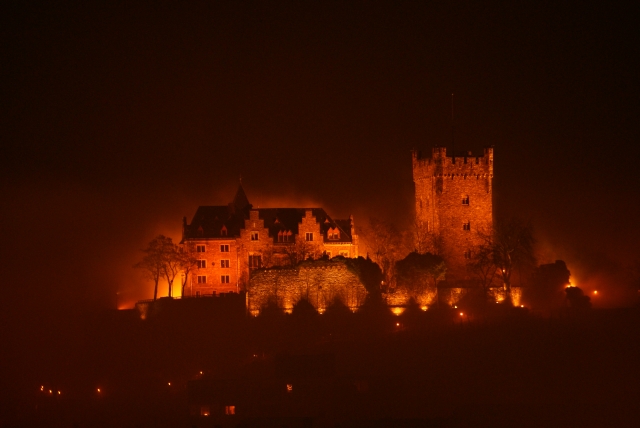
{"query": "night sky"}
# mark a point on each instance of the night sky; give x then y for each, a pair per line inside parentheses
(118, 120)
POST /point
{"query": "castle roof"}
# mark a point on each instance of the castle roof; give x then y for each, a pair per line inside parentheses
(226, 221)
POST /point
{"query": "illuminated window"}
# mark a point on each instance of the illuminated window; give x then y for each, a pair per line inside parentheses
(200, 248)
(229, 410)
(202, 279)
(465, 200)
(224, 248)
(201, 264)
(255, 261)
(224, 263)
(467, 254)
(224, 279)
(333, 234)
(466, 226)
(308, 236)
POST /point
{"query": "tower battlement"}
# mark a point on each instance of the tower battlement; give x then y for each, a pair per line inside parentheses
(454, 201)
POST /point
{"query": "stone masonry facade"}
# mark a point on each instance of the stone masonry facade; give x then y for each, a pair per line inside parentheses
(233, 241)
(320, 282)
(454, 202)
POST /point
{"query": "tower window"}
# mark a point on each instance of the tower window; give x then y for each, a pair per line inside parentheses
(466, 226)
(465, 200)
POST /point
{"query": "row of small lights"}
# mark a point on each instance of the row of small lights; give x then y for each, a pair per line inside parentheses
(98, 390)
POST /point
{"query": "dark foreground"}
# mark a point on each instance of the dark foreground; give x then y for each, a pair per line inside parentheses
(504, 368)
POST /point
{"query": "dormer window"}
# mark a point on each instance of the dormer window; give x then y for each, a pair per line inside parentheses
(223, 231)
(333, 234)
(284, 236)
(200, 231)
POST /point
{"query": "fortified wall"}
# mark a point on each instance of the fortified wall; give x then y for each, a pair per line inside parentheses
(319, 281)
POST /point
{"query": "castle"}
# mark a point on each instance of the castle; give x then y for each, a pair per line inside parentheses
(453, 197)
(230, 241)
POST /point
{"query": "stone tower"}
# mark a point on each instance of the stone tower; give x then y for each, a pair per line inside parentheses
(453, 203)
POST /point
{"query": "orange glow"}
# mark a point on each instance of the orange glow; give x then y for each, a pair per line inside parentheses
(169, 383)
(522, 306)
(424, 308)
(50, 392)
(595, 291)
(397, 324)
(98, 389)
(200, 371)
(42, 388)
(289, 387)
(59, 392)
(397, 311)
(461, 314)
(455, 307)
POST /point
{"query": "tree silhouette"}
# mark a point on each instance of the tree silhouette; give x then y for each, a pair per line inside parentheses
(509, 247)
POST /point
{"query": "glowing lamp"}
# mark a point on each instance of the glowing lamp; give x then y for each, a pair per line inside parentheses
(289, 387)
(98, 389)
(461, 314)
(59, 392)
(42, 388)
(595, 291)
(169, 383)
(397, 324)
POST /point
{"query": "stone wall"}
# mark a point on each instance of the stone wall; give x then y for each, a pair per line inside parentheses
(320, 282)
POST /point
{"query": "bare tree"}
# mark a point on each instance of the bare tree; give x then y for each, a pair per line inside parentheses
(508, 248)
(152, 264)
(386, 244)
(301, 250)
(188, 261)
(483, 267)
(425, 241)
(172, 262)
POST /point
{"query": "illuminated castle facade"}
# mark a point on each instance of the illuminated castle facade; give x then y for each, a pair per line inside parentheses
(230, 241)
(454, 201)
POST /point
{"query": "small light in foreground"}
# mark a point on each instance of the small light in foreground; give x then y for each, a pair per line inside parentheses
(289, 387)
(522, 306)
(59, 392)
(50, 392)
(200, 371)
(424, 308)
(455, 307)
(595, 291)
(98, 390)
(42, 388)
(397, 324)
(169, 383)
(461, 314)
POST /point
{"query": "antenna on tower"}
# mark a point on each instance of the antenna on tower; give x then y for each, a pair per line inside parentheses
(453, 143)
